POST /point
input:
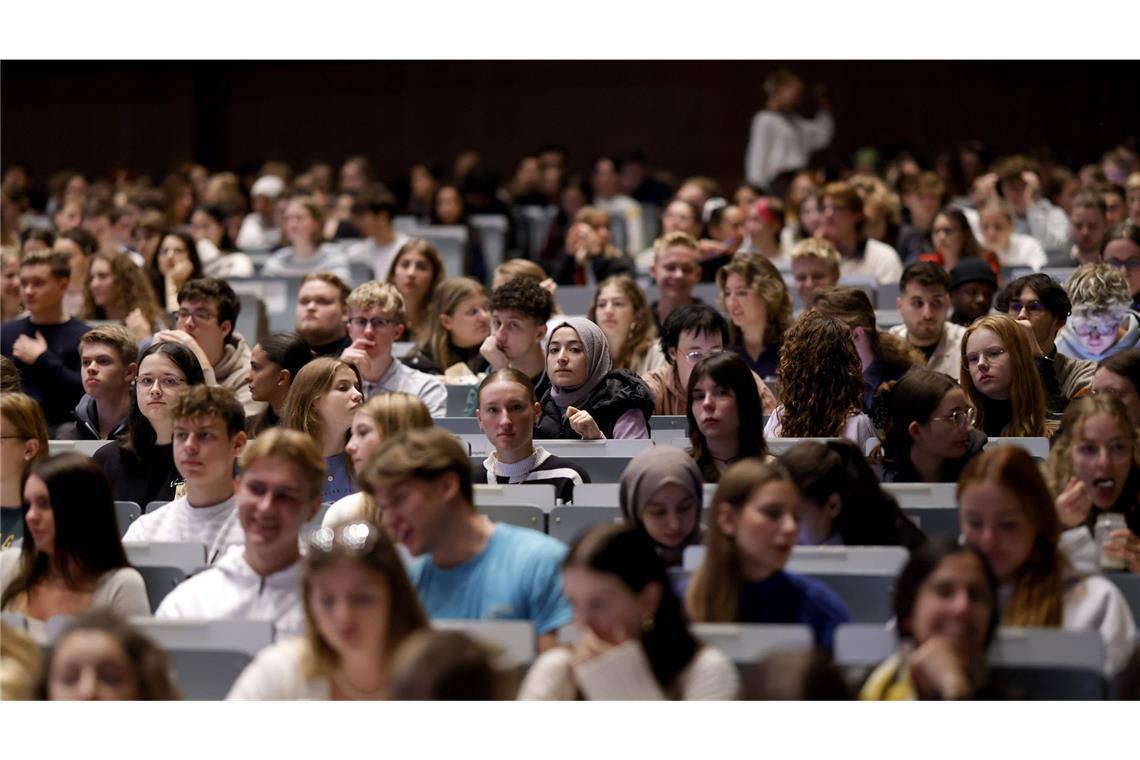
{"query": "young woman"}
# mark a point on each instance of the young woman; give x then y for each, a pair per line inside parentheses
(23, 434)
(954, 241)
(384, 415)
(141, 466)
(820, 383)
(722, 412)
(1119, 375)
(71, 558)
(307, 251)
(1011, 248)
(755, 298)
(620, 309)
(321, 403)
(751, 533)
(946, 605)
(448, 209)
(459, 321)
(930, 435)
(764, 221)
(416, 271)
(725, 227)
(841, 502)
(1093, 469)
(99, 656)
(175, 263)
(1000, 379)
(662, 494)
(208, 228)
(634, 642)
(507, 411)
(588, 256)
(274, 364)
(117, 289)
(1005, 510)
(588, 398)
(359, 607)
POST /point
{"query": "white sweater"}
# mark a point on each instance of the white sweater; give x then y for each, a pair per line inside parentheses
(217, 526)
(879, 261)
(276, 674)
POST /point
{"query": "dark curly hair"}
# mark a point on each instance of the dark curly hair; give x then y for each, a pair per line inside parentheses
(524, 296)
(820, 377)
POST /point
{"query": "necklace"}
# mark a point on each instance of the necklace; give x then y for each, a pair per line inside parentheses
(347, 687)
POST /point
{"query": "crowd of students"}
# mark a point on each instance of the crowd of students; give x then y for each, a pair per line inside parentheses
(329, 415)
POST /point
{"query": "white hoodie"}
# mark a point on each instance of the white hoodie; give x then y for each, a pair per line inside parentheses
(216, 526)
(231, 589)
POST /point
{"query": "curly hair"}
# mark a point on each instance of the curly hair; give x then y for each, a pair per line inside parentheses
(643, 331)
(524, 295)
(132, 290)
(853, 307)
(1097, 288)
(820, 377)
(765, 281)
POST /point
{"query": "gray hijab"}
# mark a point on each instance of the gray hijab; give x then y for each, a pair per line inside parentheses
(598, 361)
(647, 473)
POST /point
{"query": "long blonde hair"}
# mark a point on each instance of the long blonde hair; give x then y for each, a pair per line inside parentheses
(446, 299)
(308, 387)
(1026, 393)
(392, 413)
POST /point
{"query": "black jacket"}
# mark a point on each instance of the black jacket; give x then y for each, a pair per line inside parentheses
(85, 426)
(141, 479)
(619, 392)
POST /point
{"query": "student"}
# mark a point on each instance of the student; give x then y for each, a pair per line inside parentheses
(278, 491)
(506, 414)
(416, 272)
(71, 558)
(930, 435)
(1122, 253)
(755, 298)
(520, 310)
(259, 230)
(307, 252)
(322, 313)
(175, 264)
(117, 289)
(107, 357)
(80, 246)
(815, 265)
(1119, 375)
(676, 269)
(946, 605)
(1012, 249)
(1019, 184)
(321, 403)
(1087, 215)
(764, 220)
(722, 409)
(662, 495)
(924, 304)
(99, 656)
(1040, 300)
(922, 196)
(358, 609)
(208, 439)
(588, 257)
(1002, 380)
(972, 287)
(634, 641)
(821, 384)
(620, 309)
(1093, 469)
(1005, 510)
(751, 533)
(208, 310)
(372, 214)
(23, 434)
(954, 242)
(44, 345)
(10, 305)
(140, 466)
(843, 224)
(466, 566)
(375, 322)
(841, 501)
(459, 322)
(448, 665)
(1102, 323)
(273, 365)
(378, 418)
(588, 399)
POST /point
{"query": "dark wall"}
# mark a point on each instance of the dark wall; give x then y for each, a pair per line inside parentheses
(688, 116)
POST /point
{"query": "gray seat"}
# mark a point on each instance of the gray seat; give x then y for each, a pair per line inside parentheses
(451, 242)
(565, 523)
(457, 399)
(746, 643)
(540, 495)
(160, 580)
(493, 235)
(537, 220)
(253, 319)
(522, 515)
(1129, 585)
(126, 512)
(461, 425)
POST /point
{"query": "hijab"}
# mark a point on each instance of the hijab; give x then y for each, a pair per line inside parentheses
(598, 361)
(646, 474)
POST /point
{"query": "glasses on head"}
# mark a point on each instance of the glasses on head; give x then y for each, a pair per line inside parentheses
(991, 355)
(167, 382)
(1130, 265)
(199, 315)
(1102, 328)
(1032, 307)
(357, 537)
(378, 323)
(958, 418)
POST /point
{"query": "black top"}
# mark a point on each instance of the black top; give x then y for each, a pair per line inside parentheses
(11, 525)
(334, 349)
(554, 471)
(423, 360)
(141, 479)
(54, 380)
(619, 392)
(904, 472)
(567, 271)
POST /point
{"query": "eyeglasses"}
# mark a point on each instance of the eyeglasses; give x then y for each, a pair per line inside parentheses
(1101, 328)
(199, 315)
(1015, 307)
(357, 537)
(167, 382)
(696, 356)
(959, 418)
(378, 323)
(1130, 265)
(1111, 392)
(991, 355)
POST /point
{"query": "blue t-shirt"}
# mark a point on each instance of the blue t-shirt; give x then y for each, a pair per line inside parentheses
(517, 576)
(790, 598)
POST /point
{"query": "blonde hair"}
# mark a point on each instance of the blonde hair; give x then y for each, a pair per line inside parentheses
(1097, 288)
(763, 279)
(294, 447)
(525, 268)
(448, 295)
(671, 239)
(308, 387)
(422, 454)
(392, 413)
(115, 336)
(817, 248)
(377, 295)
(1026, 393)
(24, 413)
(1059, 467)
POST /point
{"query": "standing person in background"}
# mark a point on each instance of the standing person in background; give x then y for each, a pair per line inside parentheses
(108, 359)
(844, 224)
(780, 141)
(322, 311)
(372, 213)
(24, 437)
(972, 287)
(924, 303)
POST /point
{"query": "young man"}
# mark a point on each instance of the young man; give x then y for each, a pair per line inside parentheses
(209, 436)
(508, 409)
(972, 286)
(208, 309)
(466, 566)
(1115, 204)
(924, 303)
(322, 311)
(922, 196)
(676, 270)
(520, 310)
(107, 359)
(843, 224)
(815, 265)
(278, 491)
(372, 213)
(1042, 302)
(375, 322)
(1090, 223)
(1122, 253)
(44, 345)
(1019, 184)
(690, 334)
(259, 230)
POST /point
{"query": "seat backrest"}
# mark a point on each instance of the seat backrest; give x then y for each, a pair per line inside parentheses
(457, 399)
(887, 318)
(750, 642)
(668, 422)
(160, 580)
(1038, 447)
(565, 523)
(597, 495)
(829, 560)
(1129, 585)
(862, 644)
(248, 636)
(605, 448)
(89, 447)
(575, 299)
(463, 425)
(922, 494)
(515, 639)
(126, 512)
(521, 515)
(540, 495)
(253, 319)
(187, 556)
(493, 236)
(451, 242)
(777, 446)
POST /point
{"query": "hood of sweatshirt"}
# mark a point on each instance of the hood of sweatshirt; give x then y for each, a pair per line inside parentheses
(235, 359)
(87, 417)
(1070, 345)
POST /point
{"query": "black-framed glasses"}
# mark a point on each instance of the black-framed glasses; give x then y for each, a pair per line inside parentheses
(377, 323)
(199, 315)
(356, 537)
(960, 418)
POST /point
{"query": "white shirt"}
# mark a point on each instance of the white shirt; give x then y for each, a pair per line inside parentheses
(1023, 251)
(276, 674)
(215, 526)
(879, 260)
(377, 256)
